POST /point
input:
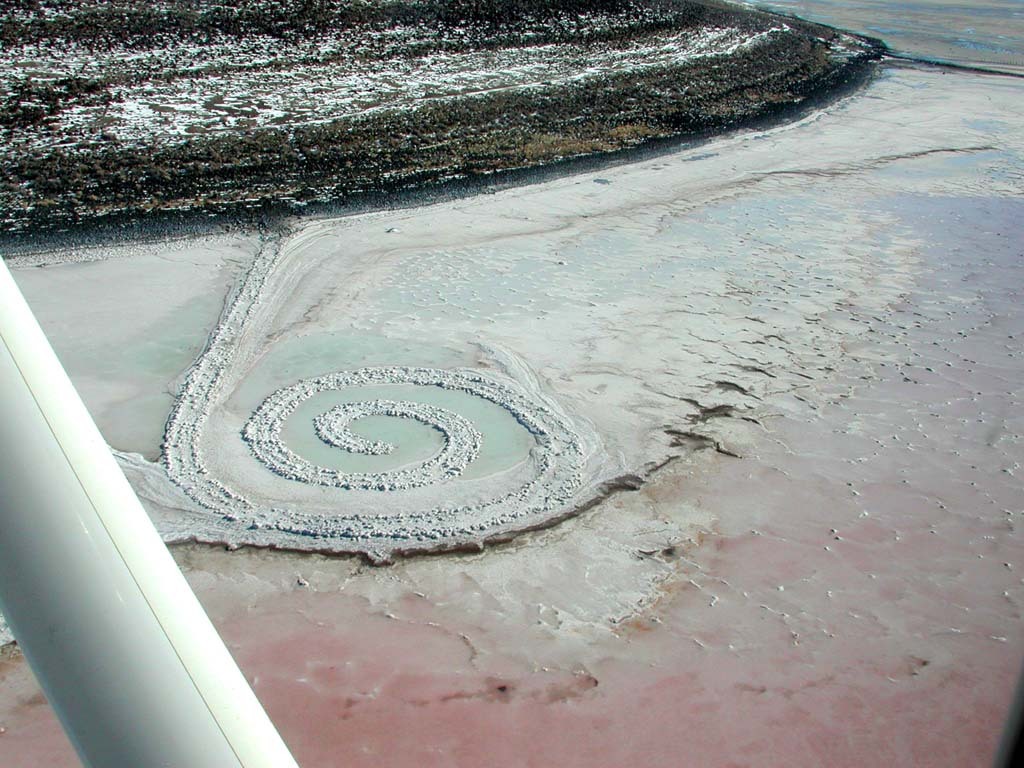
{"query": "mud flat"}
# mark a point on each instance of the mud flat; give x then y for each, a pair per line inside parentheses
(798, 351)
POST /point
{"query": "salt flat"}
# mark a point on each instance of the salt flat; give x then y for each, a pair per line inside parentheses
(800, 349)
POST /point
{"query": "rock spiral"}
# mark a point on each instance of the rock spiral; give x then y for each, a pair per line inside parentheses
(421, 506)
(262, 432)
(556, 458)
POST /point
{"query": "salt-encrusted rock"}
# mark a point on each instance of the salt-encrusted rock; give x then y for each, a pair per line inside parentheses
(544, 486)
(263, 433)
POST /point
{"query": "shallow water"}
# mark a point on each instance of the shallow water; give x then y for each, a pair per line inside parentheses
(986, 33)
(505, 441)
(124, 356)
(318, 353)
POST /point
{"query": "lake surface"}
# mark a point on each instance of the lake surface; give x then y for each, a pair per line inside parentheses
(987, 33)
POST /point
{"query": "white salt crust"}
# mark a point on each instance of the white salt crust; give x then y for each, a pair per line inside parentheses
(546, 484)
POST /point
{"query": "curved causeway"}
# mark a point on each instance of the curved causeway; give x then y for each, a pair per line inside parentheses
(461, 439)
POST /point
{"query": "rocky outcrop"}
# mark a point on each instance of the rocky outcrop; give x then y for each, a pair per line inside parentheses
(133, 108)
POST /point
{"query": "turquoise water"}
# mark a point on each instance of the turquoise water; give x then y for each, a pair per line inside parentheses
(317, 354)
(148, 360)
(505, 442)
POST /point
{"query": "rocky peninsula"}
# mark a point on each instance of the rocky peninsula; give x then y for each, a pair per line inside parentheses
(114, 109)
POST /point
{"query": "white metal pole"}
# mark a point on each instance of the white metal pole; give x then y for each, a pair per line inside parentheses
(124, 652)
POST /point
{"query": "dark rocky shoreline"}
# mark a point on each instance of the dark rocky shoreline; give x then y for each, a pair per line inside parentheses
(67, 182)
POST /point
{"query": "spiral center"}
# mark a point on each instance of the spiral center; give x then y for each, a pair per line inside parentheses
(334, 426)
(545, 480)
(460, 440)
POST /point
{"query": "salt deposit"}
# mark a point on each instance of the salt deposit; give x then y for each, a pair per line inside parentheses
(556, 464)
(555, 437)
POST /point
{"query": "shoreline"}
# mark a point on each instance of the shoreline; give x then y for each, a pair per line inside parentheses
(764, 68)
(161, 225)
(19, 247)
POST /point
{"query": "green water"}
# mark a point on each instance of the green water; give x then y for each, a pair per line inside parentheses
(505, 442)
